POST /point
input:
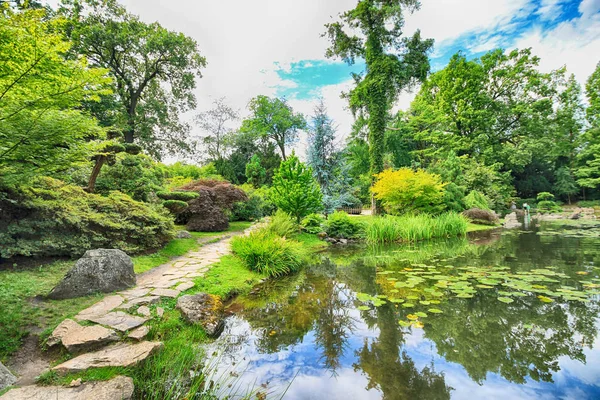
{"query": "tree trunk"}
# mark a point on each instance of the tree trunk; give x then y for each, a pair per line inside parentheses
(129, 136)
(95, 172)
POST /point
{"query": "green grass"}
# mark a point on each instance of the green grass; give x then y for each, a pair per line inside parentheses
(179, 247)
(20, 314)
(229, 276)
(414, 228)
(471, 227)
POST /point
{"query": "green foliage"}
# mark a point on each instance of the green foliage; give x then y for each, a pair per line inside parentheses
(135, 175)
(565, 184)
(413, 228)
(269, 254)
(282, 224)
(405, 191)
(341, 226)
(154, 83)
(175, 206)
(258, 205)
(181, 196)
(589, 203)
(51, 218)
(321, 150)
(294, 189)
(41, 129)
(545, 196)
(476, 199)
(228, 277)
(313, 223)
(545, 203)
(387, 72)
(255, 172)
(454, 197)
(274, 120)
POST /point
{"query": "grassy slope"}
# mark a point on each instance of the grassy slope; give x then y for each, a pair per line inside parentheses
(21, 314)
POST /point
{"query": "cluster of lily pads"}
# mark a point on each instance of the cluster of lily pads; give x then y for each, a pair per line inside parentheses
(428, 285)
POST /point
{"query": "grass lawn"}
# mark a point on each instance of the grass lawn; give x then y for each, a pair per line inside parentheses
(476, 227)
(23, 313)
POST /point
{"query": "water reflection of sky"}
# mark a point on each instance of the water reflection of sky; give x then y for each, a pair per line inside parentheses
(302, 365)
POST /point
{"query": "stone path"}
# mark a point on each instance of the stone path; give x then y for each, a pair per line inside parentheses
(121, 317)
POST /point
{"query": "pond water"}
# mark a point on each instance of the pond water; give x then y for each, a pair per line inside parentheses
(506, 315)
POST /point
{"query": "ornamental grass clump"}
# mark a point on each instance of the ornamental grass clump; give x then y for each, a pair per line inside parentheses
(267, 253)
(283, 225)
(414, 228)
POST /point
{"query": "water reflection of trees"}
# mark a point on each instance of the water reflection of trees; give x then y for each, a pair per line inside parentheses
(521, 340)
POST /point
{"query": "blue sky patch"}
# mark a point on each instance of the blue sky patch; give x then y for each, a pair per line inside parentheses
(305, 78)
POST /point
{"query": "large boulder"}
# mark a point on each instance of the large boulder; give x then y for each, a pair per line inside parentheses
(511, 221)
(98, 271)
(6, 378)
(204, 309)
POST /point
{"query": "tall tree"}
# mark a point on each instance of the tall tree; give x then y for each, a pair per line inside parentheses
(275, 120)
(154, 70)
(321, 146)
(215, 124)
(41, 129)
(392, 62)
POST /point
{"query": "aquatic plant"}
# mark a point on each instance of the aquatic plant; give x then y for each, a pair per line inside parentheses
(413, 228)
(264, 252)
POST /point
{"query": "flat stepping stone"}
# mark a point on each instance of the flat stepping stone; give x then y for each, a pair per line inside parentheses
(141, 301)
(120, 321)
(118, 388)
(185, 286)
(103, 307)
(77, 338)
(145, 311)
(139, 333)
(118, 355)
(162, 284)
(134, 293)
(166, 293)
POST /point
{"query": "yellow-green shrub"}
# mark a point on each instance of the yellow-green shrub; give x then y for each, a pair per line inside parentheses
(407, 191)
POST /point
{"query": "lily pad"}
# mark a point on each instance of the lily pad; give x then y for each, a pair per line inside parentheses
(506, 300)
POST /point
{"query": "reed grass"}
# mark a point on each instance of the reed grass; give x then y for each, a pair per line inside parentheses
(414, 228)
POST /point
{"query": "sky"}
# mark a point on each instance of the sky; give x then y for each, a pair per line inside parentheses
(275, 48)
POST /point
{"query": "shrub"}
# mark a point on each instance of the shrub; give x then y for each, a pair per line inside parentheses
(545, 196)
(209, 211)
(175, 206)
(259, 205)
(181, 196)
(405, 190)
(341, 226)
(51, 218)
(589, 203)
(476, 199)
(282, 224)
(295, 191)
(454, 197)
(482, 217)
(267, 253)
(412, 228)
(312, 223)
(546, 203)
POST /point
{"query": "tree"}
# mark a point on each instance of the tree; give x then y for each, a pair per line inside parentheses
(569, 121)
(255, 172)
(275, 120)
(565, 184)
(392, 62)
(214, 122)
(592, 90)
(41, 130)
(295, 191)
(154, 70)
(321, 146)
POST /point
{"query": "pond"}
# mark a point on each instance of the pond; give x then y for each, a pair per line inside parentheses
(507, 315)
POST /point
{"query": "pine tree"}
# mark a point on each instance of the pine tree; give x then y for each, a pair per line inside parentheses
(321, 150)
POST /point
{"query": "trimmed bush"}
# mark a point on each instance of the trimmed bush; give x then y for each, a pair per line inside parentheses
(181, 196)
(481, 217)
(51, 218)
(341, 226)
(546, 203)
(259, 205)
(282, 224)
(476, 199)
(413, 228)
(312, 223)
(175, 206)
(266, 253)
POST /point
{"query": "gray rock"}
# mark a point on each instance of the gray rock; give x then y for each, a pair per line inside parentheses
(101, 270)
(183, 235)
(204, 309)
(77, 338)
(6, 377)
(511, 221)
(120, 321)
(118, 388)
(119, 355)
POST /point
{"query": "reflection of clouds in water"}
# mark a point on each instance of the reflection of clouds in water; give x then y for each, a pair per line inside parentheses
(466, 389)
(347, 385)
